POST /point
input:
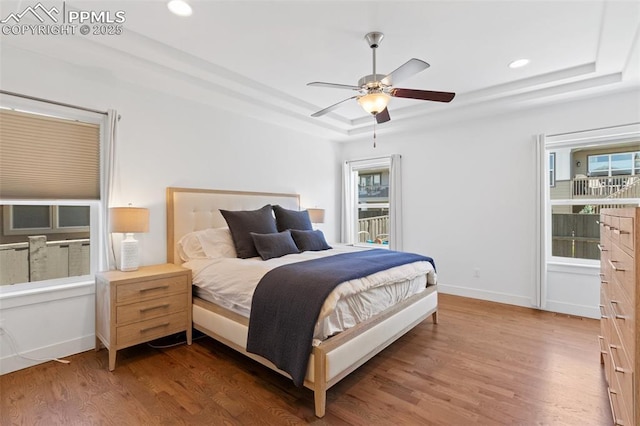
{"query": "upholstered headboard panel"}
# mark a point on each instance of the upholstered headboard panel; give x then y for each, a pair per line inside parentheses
(192, 209)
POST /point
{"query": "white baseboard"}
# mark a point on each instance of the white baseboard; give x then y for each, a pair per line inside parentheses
(492, 296)
(59, 350)
(510, 299)
(572, 309)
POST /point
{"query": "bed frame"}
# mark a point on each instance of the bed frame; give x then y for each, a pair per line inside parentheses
(191, 209)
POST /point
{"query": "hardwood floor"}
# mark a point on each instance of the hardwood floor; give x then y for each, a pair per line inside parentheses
(484, 363)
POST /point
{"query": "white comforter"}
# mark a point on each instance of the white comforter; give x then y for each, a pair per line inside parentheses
(230, 282)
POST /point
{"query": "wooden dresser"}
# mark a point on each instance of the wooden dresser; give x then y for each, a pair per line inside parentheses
(619, 305)
(138, 306)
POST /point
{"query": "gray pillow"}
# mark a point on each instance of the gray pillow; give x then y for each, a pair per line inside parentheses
(243, 222)
(274, 245)
(292, 219)
(310, 240)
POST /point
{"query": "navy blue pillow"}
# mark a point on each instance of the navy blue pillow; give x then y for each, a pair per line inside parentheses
(274, 245)
(310, 240)
(292, 219)
(243, 222)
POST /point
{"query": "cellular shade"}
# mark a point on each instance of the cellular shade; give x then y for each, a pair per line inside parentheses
(48, 158)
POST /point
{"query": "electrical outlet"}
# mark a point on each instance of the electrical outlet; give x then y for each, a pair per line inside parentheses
(476, 273)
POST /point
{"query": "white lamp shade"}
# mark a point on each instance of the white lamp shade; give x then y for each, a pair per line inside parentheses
(316, 215)
(375, 102)
(129, 219)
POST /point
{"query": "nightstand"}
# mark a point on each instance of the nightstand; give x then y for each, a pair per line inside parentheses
(139, 306)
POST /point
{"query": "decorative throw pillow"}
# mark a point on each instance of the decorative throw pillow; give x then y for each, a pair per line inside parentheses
(310, 240)
(274, 245)
(243, 222)
(292, 219)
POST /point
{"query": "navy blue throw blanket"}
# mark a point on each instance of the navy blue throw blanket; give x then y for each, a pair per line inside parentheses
(288, 300)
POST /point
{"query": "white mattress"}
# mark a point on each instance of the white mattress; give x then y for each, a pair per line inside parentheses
(230, 282)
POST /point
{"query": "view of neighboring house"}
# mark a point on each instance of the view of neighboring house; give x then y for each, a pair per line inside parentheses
(602, 177)
(373, 206)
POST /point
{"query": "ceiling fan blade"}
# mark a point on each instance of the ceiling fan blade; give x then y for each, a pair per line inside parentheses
(331, 108)
(425, 95)
(383, 116)
(411, 67)
(333, 85)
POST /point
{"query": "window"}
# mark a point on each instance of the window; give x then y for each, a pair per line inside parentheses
(574, 202)
(28, 219)
(370, 203)
(49, 191)
(615, 164)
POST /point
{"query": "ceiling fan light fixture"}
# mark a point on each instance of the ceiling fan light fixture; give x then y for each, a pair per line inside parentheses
(180, 7)
(374, 102)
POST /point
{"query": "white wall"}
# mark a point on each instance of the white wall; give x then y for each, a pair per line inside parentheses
(469, 191)
(164, 141)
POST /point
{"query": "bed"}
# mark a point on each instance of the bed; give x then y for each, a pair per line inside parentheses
(331, 359)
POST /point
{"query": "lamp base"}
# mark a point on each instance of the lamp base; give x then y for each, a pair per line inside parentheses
(129, 259)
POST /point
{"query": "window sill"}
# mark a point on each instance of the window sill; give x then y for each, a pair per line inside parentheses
(15, 295)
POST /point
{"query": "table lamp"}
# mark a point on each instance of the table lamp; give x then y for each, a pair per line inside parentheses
(128, 220)
(316, 215)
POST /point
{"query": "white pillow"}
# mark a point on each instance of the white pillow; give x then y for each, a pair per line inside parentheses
(217, 242)
(211, 243)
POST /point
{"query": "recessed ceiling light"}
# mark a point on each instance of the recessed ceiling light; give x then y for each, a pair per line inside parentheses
(180, 7)
(518, 63)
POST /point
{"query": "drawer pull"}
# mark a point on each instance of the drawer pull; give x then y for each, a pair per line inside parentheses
(602, 315)
(164, 324)
(613, 360)
(150, 308)
(601, 247)
(616, 421)
(160, 287)
(614, 267)
(601, 341)
(614, 305)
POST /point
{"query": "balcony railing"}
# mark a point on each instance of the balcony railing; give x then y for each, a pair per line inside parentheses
(374, 230)
(606, 187)
(39, 259)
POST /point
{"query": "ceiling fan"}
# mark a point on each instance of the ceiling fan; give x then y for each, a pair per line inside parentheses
(374, 92)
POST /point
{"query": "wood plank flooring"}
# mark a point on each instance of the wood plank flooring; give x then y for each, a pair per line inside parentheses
(484, 363)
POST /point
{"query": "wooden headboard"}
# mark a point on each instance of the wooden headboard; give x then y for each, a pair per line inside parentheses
(192, 209)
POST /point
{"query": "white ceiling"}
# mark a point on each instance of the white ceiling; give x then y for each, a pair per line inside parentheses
(255, 57)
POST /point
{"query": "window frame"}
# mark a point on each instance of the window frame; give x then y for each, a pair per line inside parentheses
(357, 167)
(96, 219)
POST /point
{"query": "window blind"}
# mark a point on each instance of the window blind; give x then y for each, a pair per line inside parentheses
(45, 157)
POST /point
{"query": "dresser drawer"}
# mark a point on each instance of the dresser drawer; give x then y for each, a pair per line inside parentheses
(625, 233)
(623, 267)
(144, 331)
(150, 309)
(623, 382)
(623, 316)
(151, 289)
(613, 228)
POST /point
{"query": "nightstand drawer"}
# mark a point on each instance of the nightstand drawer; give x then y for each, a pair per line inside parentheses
(150, 309)
(144, 331)
(150, 289)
